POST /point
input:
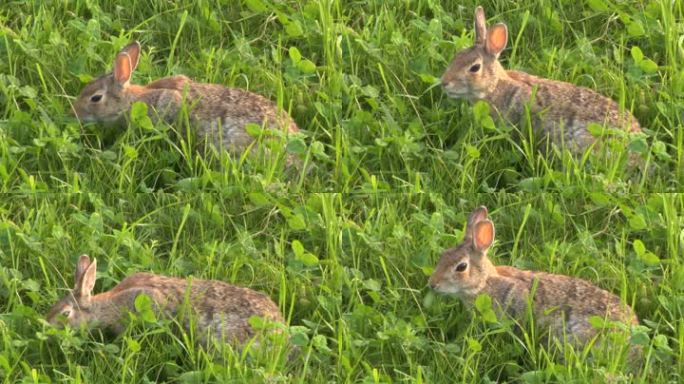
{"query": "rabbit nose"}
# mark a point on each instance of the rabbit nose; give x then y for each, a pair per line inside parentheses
(446, 80)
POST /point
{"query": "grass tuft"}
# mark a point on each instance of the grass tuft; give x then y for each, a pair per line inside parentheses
(345, 243)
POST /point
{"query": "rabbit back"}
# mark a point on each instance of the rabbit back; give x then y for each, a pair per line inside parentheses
(217, 308)
(561, 303)
(560, 111)
(218, 114)
(221, 113)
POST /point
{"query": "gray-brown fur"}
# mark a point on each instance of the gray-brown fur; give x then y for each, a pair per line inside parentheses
(561, 112)
(560, 304)
(216, 308)
(218, 113)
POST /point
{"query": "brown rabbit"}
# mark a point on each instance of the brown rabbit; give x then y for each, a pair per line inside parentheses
(217, 308)
(219, 113)
(561, 111)
(561, 304)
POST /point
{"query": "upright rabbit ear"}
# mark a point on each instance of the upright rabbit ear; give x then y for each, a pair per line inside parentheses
(497, 37)
(81, 266)
(483, 235)
(480, 26)
(84, 285)
(125, 63)
(479, 214)
(133, 50)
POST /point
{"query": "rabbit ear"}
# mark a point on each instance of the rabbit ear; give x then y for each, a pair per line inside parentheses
(84, 285)
(483, 235)
(125, 62)
(480, 26)
(81, 266)
(479, 214)
(497, 37)
(133, 51)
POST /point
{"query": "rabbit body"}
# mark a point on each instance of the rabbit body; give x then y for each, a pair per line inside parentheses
(560, 304)
(555, 301)
(561, 112)
(215, 308)
(218, 113)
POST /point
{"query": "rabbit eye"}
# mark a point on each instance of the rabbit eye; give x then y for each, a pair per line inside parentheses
(66, 312)
(474, 68)
(96, 98)
(461, 267)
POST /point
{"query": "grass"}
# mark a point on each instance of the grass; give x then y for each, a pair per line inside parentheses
(394, 169)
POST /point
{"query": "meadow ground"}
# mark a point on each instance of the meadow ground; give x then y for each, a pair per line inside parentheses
(394, 169)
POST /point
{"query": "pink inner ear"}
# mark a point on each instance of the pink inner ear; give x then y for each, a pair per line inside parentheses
(484, 235)
(496, 39)
(122, 68)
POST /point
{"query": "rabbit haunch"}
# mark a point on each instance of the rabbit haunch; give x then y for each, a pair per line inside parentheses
(560, 111)
(560, 303)
(218, 113)
(215, 307)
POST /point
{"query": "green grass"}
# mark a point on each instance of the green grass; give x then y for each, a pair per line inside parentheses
(394, 169)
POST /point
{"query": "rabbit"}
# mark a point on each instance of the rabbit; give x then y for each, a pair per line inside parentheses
(560, 304)
(219, 113)
(219, 309)
(561, 112)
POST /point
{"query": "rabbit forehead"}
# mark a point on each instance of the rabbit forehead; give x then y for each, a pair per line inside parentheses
(467, 57)
(455, 255)
(99, 84)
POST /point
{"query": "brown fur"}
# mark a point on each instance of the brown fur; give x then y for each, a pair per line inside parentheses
(561, 304)
(561, 112)
(217, 308)
(218, 113)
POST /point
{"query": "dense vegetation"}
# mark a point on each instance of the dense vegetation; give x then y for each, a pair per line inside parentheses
(394, 167)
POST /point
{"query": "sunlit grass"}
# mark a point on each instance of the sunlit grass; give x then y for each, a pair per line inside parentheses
(344, 243)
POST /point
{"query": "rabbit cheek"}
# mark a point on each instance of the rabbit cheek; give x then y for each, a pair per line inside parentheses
(82, 317)
(87, 112)
(477, 86)
(82, 112)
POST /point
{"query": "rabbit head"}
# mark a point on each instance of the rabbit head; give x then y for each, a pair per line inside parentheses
(74, 308)
(474, 72)
(108, 97)
(463, 270)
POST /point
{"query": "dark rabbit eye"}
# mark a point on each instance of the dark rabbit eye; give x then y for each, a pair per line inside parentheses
(96, 98)
(66, 313)
(474, 68)
(461, 267)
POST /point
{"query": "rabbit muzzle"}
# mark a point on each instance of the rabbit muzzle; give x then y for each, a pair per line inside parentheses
(440, 285)
(454, 88)
(433, 283)
(460, 88)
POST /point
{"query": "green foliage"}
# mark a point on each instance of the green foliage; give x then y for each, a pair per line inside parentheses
(344, 244)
